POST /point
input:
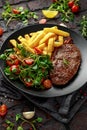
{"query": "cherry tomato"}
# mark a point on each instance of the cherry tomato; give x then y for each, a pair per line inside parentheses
(3, 110)
(15, 11)
(15, 69)
(47, 83)
(28, 84)
(70, 3)
(75, 8)
(12, 62)
(37, 50)
(1, 31)
(29, 61)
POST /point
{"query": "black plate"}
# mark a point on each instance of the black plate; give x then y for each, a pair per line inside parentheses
(79, 80)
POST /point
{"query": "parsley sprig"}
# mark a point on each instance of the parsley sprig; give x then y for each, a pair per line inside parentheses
(24, 15)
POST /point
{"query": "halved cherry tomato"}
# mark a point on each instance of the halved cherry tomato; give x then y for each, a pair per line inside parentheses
(75, 8)
(3, 110)
(28, 84)
(12, 62)
(15, 11)
(15, 69)
(29, 61)
(37, 50)
(47, 83)
(1, 31)
(71, 3)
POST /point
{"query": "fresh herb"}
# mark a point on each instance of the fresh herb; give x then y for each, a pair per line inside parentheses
(19, 13)
(65, 61)
(10, 125)
(19, 117)
(83, 26)
(63, 8)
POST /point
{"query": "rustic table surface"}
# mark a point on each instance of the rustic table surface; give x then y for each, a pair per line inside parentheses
(19, 103)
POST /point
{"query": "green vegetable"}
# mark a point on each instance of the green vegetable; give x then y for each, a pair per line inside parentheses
(65, 61)
(24, 14)
(63, 8)
(19, 117)
(34, 73)
(83, 26)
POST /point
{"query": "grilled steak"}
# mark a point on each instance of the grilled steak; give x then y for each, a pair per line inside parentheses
(66, 61)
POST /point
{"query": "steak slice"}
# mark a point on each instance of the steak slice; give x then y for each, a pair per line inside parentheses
(66, 62)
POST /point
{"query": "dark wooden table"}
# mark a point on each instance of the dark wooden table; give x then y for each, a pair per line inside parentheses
(19, 103)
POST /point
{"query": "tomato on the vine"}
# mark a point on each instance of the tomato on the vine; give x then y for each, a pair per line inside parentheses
(75, 8)
(3, 110)
(71, 3)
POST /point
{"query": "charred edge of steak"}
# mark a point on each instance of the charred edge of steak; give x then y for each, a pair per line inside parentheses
(66, 62)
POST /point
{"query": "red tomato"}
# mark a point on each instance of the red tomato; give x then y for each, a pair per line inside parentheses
(47, 83)
(15, 11)
(28, 84)
(15, 69)
(3, 110)
(75, 8)
(1, 31)
(70, 3)
(12, 62)
(37, 50)
(29, 61)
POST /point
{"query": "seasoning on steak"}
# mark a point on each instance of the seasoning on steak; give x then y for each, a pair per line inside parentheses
(66, 61)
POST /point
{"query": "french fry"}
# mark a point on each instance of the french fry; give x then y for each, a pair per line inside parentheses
(45, 40)
(33, 33)
(13, 42)
(22, 39)
(45, 50)
(36, 41)
(57, 31)
(41, 46)
(61, 39)
(46, 37)
(27, 37)
(27, 47)
(50, 47)
(59, 42)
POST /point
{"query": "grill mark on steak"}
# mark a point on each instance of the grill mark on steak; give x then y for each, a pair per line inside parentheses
(62, 73)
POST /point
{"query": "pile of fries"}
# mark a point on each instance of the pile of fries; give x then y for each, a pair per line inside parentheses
(45, 40)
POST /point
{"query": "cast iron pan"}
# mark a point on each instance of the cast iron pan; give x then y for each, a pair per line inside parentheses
(78, 81)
